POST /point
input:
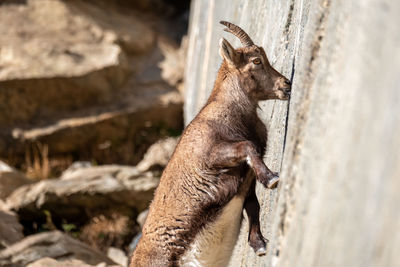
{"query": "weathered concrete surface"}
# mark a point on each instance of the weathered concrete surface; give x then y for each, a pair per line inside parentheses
(336, 204)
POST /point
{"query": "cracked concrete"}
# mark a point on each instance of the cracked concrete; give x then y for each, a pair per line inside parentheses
(336, 146)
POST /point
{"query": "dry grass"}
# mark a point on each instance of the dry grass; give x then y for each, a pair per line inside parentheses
(38, 165)
(37, 161)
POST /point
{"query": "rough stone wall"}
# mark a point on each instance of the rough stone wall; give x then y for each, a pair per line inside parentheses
(339, 163)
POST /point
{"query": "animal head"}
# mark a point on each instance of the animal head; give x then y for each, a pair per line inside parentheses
(261, 81)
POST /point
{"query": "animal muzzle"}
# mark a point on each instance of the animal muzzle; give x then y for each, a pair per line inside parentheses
(284, 86)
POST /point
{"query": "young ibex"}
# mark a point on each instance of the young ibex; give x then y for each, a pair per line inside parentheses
(195, 216)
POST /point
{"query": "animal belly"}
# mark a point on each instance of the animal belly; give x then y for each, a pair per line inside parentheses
(213, 245)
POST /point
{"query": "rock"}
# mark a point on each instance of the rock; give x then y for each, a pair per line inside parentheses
(98, 133)
(10, 228)
(49, 262)
(79, 171)
(75, 167)
(5, 168)
(56, 245)
(54, 59)
(70, 73)
(3, 206)
(117, 256)
(173, 65)
(134, 242)
(141, 218)
(122, 25)
(10, 179)
(158, 154)
(114, 187)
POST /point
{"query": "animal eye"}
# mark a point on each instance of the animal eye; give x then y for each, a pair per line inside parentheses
(256, 61)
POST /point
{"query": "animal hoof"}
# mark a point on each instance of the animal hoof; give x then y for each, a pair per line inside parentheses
(261, 251)
(259, 244)
(273, 181)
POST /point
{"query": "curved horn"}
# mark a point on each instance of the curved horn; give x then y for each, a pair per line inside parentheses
(238, 32)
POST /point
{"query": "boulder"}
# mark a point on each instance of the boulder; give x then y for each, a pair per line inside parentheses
(82, 78)
(173, 65)
(98, 133)
(54, 59)
(76, 166)
(141, 218)
(10, 228)
(49, 262)
(158, 154)
(87, 190)
(118, 256)
(3, 206)
(122, 25)
(10, 179)
(54, 244)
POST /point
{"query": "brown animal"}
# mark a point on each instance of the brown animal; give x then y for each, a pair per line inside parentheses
(195, 216)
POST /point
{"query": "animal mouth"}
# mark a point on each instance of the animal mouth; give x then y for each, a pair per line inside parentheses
(286, 91)
(287, 88)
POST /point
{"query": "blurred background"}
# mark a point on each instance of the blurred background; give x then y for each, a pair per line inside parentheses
(95, 94)
(86, 87)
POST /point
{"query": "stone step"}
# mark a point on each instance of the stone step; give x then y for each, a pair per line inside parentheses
(24, 100)
(136, 118)
(64, 55)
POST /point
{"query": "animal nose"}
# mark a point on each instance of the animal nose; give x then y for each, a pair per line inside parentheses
(287, 86)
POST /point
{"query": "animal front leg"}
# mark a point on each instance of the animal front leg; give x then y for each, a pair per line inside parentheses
(225, 155)
(252, 207)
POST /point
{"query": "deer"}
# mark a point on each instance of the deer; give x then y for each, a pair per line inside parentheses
(196, 214)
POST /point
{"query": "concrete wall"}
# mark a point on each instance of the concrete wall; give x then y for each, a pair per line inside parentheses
(337, 203)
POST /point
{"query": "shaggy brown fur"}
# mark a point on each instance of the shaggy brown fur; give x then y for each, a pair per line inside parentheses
(218, 149)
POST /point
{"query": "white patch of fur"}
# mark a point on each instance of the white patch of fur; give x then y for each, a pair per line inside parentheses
(248, 160)
(213, 245)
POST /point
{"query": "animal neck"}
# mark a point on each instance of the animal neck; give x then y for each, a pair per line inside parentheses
(231, 94)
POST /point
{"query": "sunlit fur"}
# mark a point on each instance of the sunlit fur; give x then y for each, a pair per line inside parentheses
(196, 212)
(261, 81)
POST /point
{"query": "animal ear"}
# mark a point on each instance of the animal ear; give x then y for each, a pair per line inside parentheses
(227, 52)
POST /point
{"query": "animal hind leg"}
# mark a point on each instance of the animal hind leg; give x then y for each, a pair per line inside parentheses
(252, 207)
